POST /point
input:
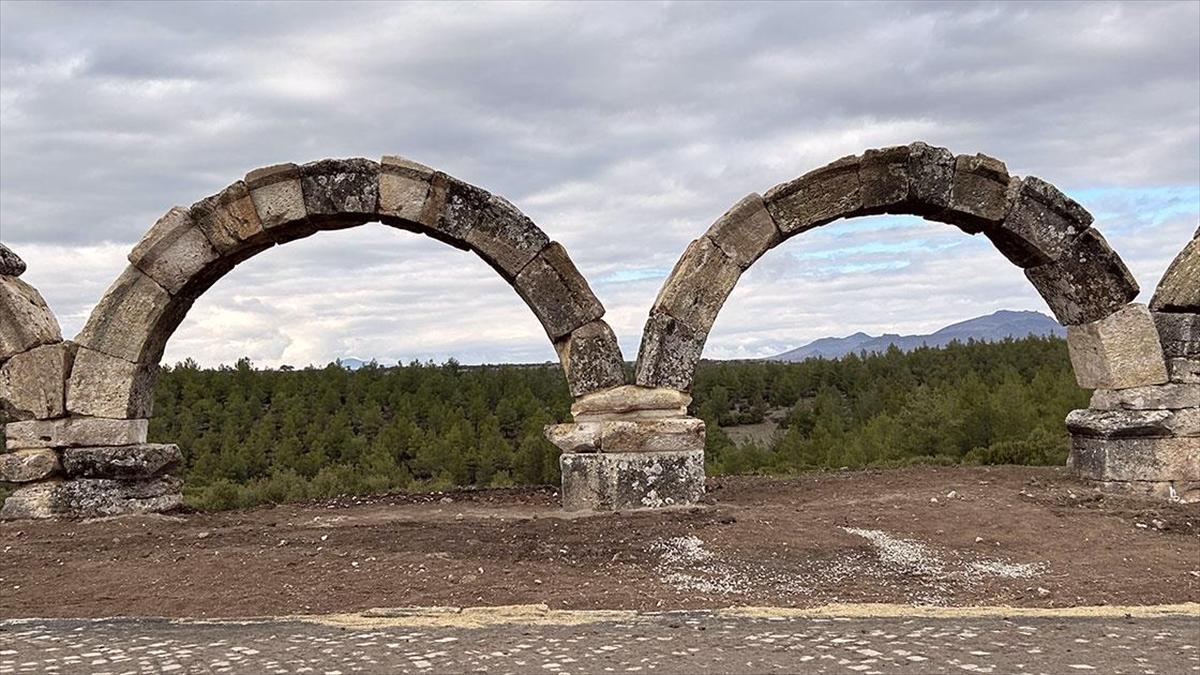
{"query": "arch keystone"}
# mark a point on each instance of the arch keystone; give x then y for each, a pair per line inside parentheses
(340, 192)
(930, 178)
(883, 174)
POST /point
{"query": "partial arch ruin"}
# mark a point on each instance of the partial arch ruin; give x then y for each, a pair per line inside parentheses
(82, 407)
(1142, 429)
(79, 442)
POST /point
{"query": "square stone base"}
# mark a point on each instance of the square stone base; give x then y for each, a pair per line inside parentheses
(623, 481)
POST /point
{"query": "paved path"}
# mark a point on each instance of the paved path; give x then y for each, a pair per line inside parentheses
(684, 642)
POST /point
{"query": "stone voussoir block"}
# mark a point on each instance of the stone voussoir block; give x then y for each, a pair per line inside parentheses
(74, 432)
(11, 264)
(883, 174)
(1040, 226)
(631, 402)
(25, 319)
(698, 286)
(1117, 352)
(106, 386)
(1179, 288)
(630, 481)
(979, 194)
(340, 192)
(664, 435)
(818, 197)
(278, 200)
(173, 251)
(1179, 333)
(1088, 283)
(403, 189)
(1134, 423)
(591, 358)
(33, 383)
(746, 231)
(557, 293)
(230, 221)
(93, 498)
(123, 461)
(669, 353)
(494, 229)
(25, 466)
(1141, 459)
(930, 178)
(134, 319)
(574, 436)
(1170, 396)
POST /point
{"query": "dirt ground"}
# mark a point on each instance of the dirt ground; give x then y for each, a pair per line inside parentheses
(937, 536)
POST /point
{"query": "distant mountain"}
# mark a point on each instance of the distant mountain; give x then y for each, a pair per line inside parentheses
(990, 328)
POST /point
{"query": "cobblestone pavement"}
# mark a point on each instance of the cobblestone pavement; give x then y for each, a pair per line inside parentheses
(683, 642)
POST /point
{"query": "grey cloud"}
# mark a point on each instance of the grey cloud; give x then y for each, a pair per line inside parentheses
(623, 129)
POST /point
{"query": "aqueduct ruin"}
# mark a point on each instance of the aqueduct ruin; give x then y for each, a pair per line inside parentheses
(77, 411)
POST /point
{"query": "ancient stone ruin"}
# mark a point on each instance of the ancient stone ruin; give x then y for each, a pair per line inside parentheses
(77, 411)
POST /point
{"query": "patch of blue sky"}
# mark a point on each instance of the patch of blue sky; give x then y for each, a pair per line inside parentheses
(639, 274)
(1126, 206)
(875, 248)
(871, 224)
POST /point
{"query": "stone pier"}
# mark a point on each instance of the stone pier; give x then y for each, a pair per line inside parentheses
(1141, 432)
(630, 447)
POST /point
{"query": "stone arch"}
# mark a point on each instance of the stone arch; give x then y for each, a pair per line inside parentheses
(189, 249)
(1032, 223)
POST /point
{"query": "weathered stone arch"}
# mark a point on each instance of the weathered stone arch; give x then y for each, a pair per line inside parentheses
(189, 249)
(1030, 222)
(78, 410)
(1142, 430)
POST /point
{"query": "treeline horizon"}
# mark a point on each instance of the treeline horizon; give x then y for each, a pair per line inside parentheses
(253, 436)
(276, 435)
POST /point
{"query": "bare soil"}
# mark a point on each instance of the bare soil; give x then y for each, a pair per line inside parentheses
(941, 536)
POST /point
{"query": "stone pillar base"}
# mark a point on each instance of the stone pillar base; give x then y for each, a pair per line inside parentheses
(1150, 453)
(623, 481)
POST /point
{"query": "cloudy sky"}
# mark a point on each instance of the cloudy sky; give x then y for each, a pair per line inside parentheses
(623, 130)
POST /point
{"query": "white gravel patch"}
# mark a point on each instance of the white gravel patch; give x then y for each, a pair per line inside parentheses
(924, 573)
